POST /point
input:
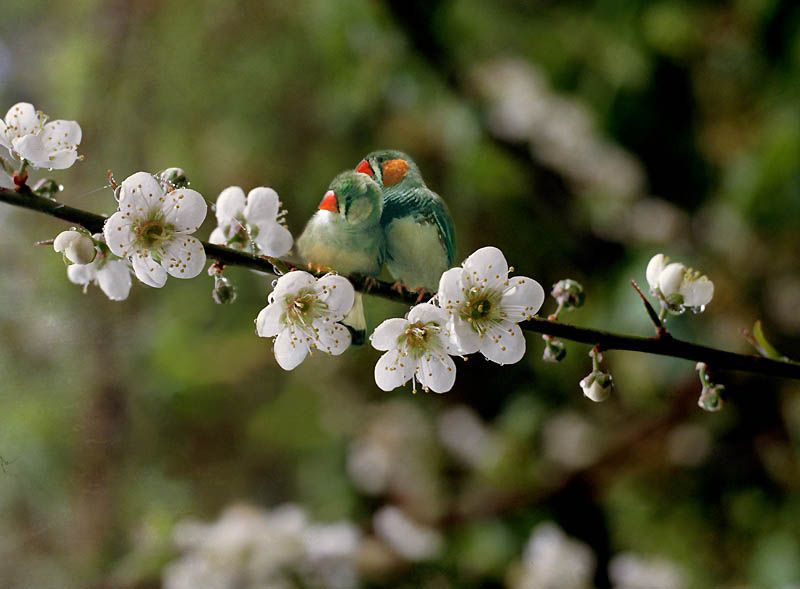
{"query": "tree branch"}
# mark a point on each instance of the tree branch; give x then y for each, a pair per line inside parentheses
(660, 346)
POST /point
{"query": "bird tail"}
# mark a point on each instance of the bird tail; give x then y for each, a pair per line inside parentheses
(356, 322)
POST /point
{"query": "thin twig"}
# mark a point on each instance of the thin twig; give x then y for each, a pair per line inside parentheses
(661, 331)
(660, 346)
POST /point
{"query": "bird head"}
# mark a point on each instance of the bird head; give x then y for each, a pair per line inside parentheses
(389, 167)
(355, 197)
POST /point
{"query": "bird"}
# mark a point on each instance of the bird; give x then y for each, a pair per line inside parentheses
(418, 228)
(345, 235)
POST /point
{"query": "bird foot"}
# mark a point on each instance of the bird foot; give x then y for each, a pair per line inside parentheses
(399, 287)
(370, 283)
(421, 293)
(317, 269)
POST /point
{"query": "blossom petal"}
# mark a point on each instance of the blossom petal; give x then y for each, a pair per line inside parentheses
(290, 348)
(22, 119)
(654, 268)
(269, 321)
(274, 239)
(83, 274)
(393, 370)
(61, 160)
(33, 149)
(262, 205)
(338, 293)
(451, 290)
(218, 237)
(387, 333)
(671, 278)
(61, 135)
(184, 257)
(185, 209)
(118, 233)
(436, 371)
(333, 339)
(427, 313)
(114, 280)
(139, 192)
(522, 299)
(486, 268)
(698, 293)
(147, 270)
(230, 204)
(292, 283)
(463, 336)
(503, 343)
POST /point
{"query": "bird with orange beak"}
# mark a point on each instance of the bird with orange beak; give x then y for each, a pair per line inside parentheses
(418, 228)
(345, 235)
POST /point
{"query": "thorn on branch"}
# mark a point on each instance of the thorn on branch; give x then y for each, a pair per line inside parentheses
(661, 331)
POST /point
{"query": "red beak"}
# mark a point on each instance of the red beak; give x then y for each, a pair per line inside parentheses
(363, 167)
(329, 202)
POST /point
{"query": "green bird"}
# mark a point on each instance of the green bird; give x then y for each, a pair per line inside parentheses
(420, 238)
(345, 235)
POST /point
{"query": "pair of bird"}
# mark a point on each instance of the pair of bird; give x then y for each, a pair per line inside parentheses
(381, 213)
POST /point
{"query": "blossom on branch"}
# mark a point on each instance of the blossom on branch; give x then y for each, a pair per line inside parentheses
(110, 273)
(152, 228)
(417, 347)
(26, 135)
(303, 315)
(678, 287)
(485, 305)
(251, 222)
(77, 247)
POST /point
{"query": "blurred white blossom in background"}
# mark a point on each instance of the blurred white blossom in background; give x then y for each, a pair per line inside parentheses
(406, 537)
(251, 548)
(553, 560)
(634, 571)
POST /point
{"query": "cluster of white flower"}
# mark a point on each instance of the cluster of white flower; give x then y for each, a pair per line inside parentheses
(250, 548)
(677, 287)
(251, 222)
(29, 138)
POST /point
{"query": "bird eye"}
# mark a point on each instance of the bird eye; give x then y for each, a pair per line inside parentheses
(363, 167)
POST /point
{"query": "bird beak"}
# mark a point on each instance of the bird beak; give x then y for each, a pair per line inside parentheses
(329, 202)
(393, 171)
(363, 167)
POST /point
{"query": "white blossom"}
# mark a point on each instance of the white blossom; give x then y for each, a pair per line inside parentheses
(110, 273)
(251, 222)
(152, 228)
(485, 305)
(302, 315)
(417, 348)
(635, 571)
(552, 560)
(77, 247)
(409, 539)
(597, 385)
(677, 286)
(27, 135)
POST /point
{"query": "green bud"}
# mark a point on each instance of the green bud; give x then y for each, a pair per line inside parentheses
(554, 350)
(224, 291)
(174, 178)
(711, 398)
(47, 187)
(568, 294)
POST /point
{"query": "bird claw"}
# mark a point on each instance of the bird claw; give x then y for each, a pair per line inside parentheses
(421, 294)
(399, 287)
(370, 283)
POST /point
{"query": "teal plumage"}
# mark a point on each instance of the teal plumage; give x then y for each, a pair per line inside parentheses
(420, 237)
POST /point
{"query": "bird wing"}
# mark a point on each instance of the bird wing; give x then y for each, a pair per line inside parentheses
(424, 205)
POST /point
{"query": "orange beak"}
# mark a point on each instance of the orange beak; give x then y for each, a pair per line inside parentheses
(363, 167)
(329, 202)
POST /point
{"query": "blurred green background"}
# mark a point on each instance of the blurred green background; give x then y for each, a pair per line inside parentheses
(579, 137)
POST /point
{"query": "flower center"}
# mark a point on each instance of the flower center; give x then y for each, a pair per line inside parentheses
(418, 337)
(153, 230)
(303, 308)
(481, 308)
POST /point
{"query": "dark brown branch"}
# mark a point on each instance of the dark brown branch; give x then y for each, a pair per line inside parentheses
(660, 346)
(661, 331)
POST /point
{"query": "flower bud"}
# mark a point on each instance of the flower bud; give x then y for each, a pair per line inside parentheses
(47, 187)
(224, 291)
(671, 279)
(597, 385)
(554, 349)
(173, 178)
(711, 398)
(568, 294)
(76, 247)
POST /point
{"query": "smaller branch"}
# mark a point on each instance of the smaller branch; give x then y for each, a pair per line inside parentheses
(661, 331)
